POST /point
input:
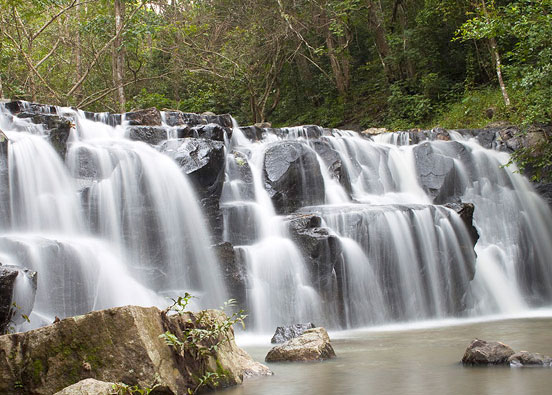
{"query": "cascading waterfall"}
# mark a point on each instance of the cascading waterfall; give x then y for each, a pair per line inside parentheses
(328, 226)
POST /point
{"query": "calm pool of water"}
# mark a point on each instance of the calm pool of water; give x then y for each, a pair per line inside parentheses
(414, 361)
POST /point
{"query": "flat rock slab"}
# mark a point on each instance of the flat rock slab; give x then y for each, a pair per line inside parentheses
(312, 345)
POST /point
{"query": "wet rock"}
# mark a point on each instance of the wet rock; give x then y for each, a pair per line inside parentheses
(117, 345)
(292, 176)
(211, 131)
(233, 270)
(12, 312)
(148, 134)
(320, 248)
(374, 131)
(334, 163)
(525, 358)
(17, 107)
(5, 210)
(312, 345)
(481, 352)
(89, 387)
(204, 162)
(545, 191)
(436, 171)
(465, 211)
(147, 117)
(57, 128)
(253, 133)
(285, 333)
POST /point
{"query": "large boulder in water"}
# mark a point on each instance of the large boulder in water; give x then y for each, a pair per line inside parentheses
(204, 162)
(121, 344)
(285, 333)
(481, 352)
(465, 211)
(292, 176)
(234, 271)
(312, 345)
(211, 131)
(334, 163)
(57, 128)
(89, 387)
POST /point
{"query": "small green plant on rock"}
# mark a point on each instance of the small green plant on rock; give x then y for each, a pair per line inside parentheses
(200, 336)
(124, 389)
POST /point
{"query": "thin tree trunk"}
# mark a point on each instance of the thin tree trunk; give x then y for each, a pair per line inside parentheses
(78, 60)
(496, 58)
(118, 55)
(382, 46)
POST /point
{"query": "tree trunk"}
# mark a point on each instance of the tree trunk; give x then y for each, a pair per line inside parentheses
(78, 60)
(118, 55)
(382, 46)
(496, 59)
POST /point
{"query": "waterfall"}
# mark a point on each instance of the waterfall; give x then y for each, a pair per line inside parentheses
(322, 225)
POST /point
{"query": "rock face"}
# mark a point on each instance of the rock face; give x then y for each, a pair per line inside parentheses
(5, 212)
(148, 134)
(204, 162)
(465, 211)
(11, 314)
(285, 333)
(525, 358)
(88, 387)
(115, 345)
(436, 171)
(481, 352)
(57, 128)
(233, 270)
(292, 176)
(211, 131)
(147, 117)
(333, 162)
(312, 345)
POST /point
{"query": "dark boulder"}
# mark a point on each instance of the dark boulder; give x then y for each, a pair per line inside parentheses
(12, 312)
(320, 248)
(5, 211)
(233, 270)
(481, 352)
(204, 162)
(525, 358)
(211, 131)
(147, 117)
(57, 128)
(545, 191)
(437, 173)
(334, 163)
(285, 333)
(465, 211)
(253, 133)
(148, 134)
(292, 176)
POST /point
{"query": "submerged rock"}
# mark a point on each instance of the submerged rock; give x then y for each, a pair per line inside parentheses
(481, 352)
(292, 176)
(285, 333)
(117, 345)
(312, 345)
(525, 358)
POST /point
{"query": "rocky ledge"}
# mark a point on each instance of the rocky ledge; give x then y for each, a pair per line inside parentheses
(123, 345)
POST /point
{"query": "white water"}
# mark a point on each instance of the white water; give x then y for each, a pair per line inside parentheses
(119, 223)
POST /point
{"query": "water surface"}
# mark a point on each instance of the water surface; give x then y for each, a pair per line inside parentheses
(419, 361)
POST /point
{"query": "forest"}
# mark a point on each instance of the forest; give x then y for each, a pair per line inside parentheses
(351, 63)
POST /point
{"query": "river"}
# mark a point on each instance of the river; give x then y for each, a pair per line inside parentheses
(414, 359)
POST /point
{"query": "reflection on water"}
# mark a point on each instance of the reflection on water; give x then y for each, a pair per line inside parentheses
(421, 361)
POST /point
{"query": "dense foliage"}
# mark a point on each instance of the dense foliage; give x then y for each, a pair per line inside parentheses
(394, 63)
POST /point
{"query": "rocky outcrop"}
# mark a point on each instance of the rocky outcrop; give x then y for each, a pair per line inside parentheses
(120, 345)
(333, 162)
(12, 312)
(204, 162)
(437, 173)
(234, 271)
(211, 131)
(56, 127)
(148, 134)
(147, 117)
(89, 387)
(177, 118)
(312, 345)
(320, 248)
(525, 358)
(481, 352)
(285, 333)
(465, 211)
(292, 176)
